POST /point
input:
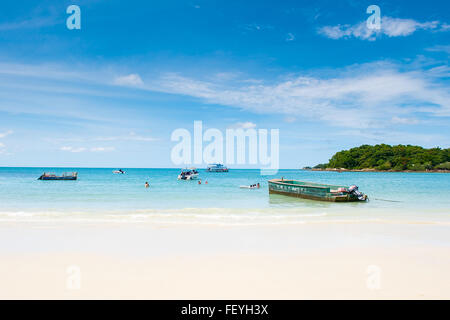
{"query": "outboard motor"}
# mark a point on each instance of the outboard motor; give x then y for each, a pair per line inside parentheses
(354, 190)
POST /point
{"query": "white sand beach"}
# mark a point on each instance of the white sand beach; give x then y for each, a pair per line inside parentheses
(148, 261)
(236, 150)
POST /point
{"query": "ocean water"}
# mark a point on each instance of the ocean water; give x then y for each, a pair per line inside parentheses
(101, 196)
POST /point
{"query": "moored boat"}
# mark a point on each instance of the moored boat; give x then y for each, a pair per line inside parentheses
(252, 186)
(216, 167)
(316, 191)
(64, 176)
(188, 174)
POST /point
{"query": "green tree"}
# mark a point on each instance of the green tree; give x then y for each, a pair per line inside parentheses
(386, 157)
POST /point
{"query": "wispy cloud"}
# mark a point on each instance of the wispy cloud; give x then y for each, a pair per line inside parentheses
(365, 96)
(400, 120)
(133, 80)
(289, 119)
(3, 150)
(440, 48)
(2, 145)
(6, 133)
(255, 27)
(244, 125)
(73, 149)
(33, 23)
(391, 27)
(394, 137)
(83, 149)
(130, 137)
(102, 149)
(290, 37)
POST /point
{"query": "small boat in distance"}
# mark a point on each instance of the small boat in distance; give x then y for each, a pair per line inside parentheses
(64, 176)
(316, 191)
(120, 171)
(252, 186)
(216, 167)
(188, 174)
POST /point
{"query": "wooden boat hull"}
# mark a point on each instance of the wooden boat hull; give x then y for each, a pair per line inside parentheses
(53, 177)
(311, 197)
(58, 178)
(312, 191)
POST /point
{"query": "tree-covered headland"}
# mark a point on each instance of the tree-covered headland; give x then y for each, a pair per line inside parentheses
(384, 157)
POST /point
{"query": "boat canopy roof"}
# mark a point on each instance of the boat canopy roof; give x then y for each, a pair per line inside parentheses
(217, 165)
(306, 184)
(64, 173)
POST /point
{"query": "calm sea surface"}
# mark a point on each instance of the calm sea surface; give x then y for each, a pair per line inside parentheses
(99, 195)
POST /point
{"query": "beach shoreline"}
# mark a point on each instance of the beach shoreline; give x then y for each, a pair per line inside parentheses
(181, 240)
(326, 261)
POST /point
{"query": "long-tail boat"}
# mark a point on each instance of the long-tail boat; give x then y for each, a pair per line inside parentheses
(316, 191)
(65, 176)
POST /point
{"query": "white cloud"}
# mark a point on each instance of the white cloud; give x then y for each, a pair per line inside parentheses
(29, 24)
(7, 133)
(3, 149)
(399, 120)
(2, 145)
(290, 37)
(227, 75)
(255, 27)
(133, 80)
(130, 137)
(364, 96)
(395, 137)
(83, 149)
(391, 27)
(394, 27)
(244, 125)
(72, 149)
(102, 149)
(290, 119)
(440, 48)
(445, 27)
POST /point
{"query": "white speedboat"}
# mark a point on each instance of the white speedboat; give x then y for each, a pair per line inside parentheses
(188, 174)
(120, 171)
(253, 186)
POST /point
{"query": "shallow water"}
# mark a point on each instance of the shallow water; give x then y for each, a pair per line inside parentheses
(99, 195)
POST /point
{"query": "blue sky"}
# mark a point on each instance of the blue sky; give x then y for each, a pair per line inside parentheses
(111, 94)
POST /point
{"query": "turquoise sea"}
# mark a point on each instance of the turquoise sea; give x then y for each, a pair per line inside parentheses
(101, 196)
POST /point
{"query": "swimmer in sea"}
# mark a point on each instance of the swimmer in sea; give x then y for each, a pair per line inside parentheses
(146, 184)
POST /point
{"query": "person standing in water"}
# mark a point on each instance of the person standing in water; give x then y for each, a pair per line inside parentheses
(146, 184)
